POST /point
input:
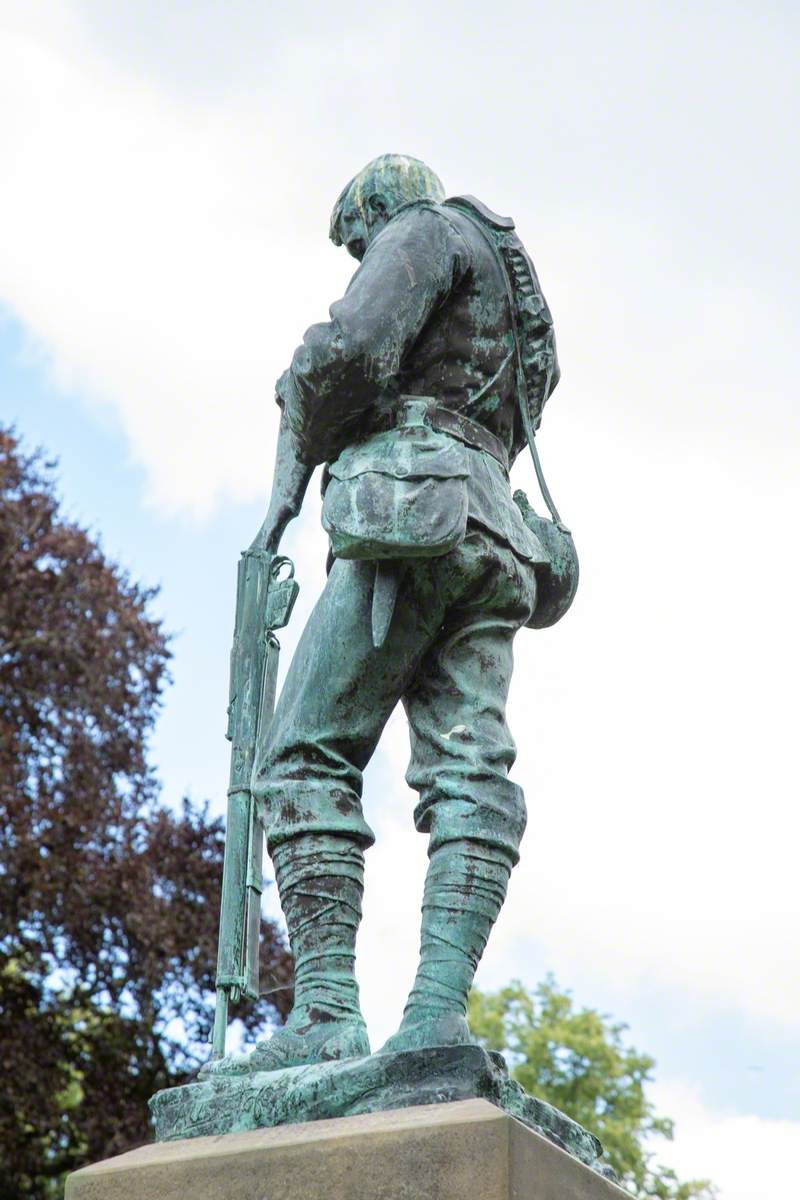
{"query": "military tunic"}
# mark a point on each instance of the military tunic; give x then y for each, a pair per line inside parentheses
(426, 314)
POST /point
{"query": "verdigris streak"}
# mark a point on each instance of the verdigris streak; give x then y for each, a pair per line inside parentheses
(417, 396)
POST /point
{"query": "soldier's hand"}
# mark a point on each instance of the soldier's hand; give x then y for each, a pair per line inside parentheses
(272, 530)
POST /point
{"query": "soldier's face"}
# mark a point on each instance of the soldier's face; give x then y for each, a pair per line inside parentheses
(353, 231)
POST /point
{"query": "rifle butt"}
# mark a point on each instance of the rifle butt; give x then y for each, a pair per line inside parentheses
(220, 1024)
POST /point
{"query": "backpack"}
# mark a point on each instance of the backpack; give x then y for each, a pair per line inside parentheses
(534, 322)
(537, 374)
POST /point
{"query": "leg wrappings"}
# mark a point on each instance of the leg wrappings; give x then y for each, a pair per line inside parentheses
(320, 882)
(464, 891)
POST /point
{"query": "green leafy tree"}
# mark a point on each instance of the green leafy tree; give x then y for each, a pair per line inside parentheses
(577, 1060)
(109, 900)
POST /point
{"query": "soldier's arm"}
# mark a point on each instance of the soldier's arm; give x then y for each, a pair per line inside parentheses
(344, 366)
(289, 482)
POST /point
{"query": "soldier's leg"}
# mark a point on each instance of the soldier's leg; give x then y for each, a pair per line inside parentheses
(461, 754)
(338, 695)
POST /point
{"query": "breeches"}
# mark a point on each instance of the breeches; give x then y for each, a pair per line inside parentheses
(448, 657)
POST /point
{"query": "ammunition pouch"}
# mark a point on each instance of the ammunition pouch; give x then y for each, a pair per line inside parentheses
(399, 494)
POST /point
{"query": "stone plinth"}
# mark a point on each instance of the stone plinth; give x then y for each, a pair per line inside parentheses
(469, 1150)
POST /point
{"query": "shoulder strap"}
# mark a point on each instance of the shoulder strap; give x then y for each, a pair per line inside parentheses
(522, 386)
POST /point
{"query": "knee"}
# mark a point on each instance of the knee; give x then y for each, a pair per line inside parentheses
(492, 812)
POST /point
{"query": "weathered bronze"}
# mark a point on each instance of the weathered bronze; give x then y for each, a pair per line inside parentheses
(417, 395)
(264, 603)
(225, 1104)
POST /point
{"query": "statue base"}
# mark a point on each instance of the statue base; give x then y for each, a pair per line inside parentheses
(469, 1150)
(352, 1087)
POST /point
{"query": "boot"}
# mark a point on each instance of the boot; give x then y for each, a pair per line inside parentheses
(320, 881)
(464, 890)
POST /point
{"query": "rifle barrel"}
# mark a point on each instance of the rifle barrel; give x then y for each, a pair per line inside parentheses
(254, 670)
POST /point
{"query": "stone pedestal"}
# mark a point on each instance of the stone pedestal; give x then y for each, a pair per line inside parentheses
(468, 1150)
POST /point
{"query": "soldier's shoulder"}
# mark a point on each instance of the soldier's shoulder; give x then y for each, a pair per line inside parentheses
(418, 211)
(425, 222)
(474, 207)
(423, 210)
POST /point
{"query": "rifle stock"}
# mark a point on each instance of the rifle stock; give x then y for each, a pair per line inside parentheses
(263, 603)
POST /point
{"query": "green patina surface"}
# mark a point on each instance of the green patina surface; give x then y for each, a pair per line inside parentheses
(417, 395)
(366, 1085)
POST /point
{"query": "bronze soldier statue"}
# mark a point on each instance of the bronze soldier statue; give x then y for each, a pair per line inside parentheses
(418, 394)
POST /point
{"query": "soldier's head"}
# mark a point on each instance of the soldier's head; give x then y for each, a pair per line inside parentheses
(374, 196)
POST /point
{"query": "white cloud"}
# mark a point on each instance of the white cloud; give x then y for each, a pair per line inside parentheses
(168, 175)
(746, 1157)
(155, 265)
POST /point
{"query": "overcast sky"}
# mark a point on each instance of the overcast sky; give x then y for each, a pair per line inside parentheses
(168, 172)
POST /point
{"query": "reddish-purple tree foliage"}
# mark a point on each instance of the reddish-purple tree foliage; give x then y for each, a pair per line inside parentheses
(108, 899)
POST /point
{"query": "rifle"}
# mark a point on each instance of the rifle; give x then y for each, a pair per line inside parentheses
(264, 603)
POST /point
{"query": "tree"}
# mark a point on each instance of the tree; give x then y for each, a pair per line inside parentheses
(109, 900)
(577, 1060)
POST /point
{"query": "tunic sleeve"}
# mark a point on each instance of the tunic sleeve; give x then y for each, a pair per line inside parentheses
(346, 364)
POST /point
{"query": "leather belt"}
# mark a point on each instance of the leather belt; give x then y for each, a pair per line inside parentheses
(444, 420)
(468, 431)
